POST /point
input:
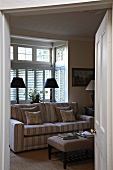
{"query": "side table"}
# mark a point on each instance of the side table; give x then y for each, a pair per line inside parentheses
(89, 111)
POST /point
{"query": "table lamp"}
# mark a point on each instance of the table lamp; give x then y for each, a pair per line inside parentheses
(51, 83)
(17, 82)
(91, 87)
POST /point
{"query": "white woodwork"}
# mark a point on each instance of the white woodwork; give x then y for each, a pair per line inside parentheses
(103, 95)
(112, 93)
(5, 60)
(35, 22)
(4, 93)
(14, 4)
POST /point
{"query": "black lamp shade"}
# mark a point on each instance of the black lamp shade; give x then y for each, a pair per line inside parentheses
(17, 82)
(51, 83)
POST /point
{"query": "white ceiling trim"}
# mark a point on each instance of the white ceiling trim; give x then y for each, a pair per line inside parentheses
(15, 32)
(27, 41)
(34, 5)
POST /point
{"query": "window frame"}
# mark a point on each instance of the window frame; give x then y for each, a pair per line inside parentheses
(34, 48)
(24, 46)
(50, 56)
(27, 65)
(20, 64)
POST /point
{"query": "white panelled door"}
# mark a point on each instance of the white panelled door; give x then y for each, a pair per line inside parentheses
(103, 94)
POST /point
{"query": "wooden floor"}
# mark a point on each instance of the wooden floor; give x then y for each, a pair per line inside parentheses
(38, 160)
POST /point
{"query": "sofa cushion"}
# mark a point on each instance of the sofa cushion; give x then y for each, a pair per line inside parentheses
(74, 106)
(67, 115)
(23, 110)
(41, 107)
(33, 118)
(72, 126)
(50, 113)
(45, 128)
(16, 113)
(58, 109)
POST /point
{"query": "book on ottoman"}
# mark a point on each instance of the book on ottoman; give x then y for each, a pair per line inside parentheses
(68, 136)
(86, 134)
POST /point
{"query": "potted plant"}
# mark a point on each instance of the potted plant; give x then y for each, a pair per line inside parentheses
(34, 96)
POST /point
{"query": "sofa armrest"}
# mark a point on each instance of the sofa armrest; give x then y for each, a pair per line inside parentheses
(16, 135)
(90, 119)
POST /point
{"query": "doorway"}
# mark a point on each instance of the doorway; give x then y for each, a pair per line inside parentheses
(8, 105)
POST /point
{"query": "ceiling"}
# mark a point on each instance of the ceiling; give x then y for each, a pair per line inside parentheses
(81, 24)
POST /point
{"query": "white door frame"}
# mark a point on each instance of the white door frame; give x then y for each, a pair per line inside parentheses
(4, 91)
(51, 3)
(5, 69)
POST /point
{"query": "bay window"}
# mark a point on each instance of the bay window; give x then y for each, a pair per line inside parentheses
(35, 65)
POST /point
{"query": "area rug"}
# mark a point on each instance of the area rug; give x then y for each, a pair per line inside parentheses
(38, 160)
(76, 157)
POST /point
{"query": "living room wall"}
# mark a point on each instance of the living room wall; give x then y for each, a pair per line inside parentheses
(81, 55)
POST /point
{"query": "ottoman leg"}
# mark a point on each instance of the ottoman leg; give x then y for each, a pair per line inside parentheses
(49, 151)
(64, 159)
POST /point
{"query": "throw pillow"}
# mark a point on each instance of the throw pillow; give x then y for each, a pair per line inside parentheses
(67, 115)
(32, 109)
(58, 111)
(15, 113)
(33, 118)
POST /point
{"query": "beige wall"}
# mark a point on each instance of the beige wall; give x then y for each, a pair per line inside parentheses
(81, 55)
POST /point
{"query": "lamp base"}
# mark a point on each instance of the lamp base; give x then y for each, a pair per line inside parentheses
(51, 95)
(93, 97)
(17, 96)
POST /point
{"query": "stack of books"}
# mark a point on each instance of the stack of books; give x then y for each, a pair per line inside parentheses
(68, 136)
(86, 134)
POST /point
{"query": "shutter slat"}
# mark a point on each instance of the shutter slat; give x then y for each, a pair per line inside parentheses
(21, 73)
(12, 90)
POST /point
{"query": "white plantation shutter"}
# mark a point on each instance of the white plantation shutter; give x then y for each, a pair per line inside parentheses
(11, 53)
(60, 53)
(36, 79)
(30, 81)
(60, 78)
(57, 94)
(12, 90)
(62, 85)
(60, 73)
(21, 73)
(39, 80)
(47, 75)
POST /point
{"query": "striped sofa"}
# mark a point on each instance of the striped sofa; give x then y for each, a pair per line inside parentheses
(27, 137)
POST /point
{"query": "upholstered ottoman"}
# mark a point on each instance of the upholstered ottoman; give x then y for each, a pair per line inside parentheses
(69, 145)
